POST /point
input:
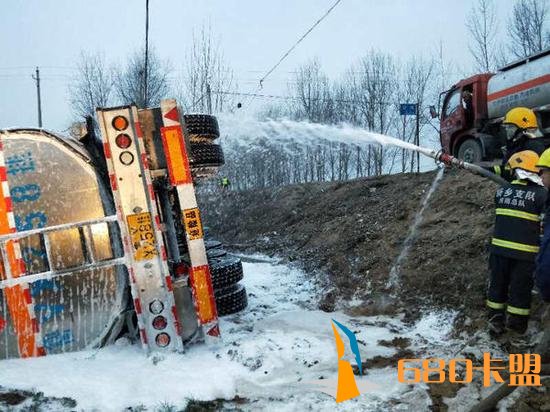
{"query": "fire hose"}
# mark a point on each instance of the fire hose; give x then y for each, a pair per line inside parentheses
(440, 156)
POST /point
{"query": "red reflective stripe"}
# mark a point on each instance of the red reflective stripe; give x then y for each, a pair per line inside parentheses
(137, 305)
(169, 283)
(176, 320)
(112, 178)
(107, 150)
(143, 336)
(519, 87)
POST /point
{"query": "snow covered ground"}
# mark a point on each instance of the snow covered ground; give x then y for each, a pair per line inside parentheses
(269, 353)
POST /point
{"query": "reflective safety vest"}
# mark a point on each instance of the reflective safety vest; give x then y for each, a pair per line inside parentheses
(517, 223)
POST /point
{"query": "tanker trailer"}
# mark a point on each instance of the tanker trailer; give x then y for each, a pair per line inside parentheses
(474, 108)
(75, 270)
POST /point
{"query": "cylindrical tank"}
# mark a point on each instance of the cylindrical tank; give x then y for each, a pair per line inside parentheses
(527, 84)
(52, 182)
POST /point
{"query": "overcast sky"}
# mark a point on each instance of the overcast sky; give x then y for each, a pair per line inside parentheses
(253, 35)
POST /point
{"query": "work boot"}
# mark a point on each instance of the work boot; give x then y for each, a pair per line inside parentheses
(518, 342)
(496, 324)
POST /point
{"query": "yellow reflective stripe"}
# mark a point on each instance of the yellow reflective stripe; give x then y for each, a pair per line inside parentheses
(518, 213)
(494, 305)
(513, 245)
(498, 171)
(519, 182)
(517, 311)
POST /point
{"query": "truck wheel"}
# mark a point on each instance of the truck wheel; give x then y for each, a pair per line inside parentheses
(231, 300)
(201, 127)
(206, 154)
(212, 244)
(215, 253)
(470, 151)
(225, 272)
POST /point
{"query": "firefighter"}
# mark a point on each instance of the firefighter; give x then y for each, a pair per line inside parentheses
(225, 183)
(514, 246)
(543, 259)
(520, 126)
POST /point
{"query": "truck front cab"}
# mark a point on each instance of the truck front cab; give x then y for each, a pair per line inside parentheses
(464, 118)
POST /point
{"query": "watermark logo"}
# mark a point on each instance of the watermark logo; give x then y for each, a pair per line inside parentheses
(346, 387)
(523, 370)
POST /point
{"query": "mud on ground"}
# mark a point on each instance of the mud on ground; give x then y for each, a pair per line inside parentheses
(351, 233)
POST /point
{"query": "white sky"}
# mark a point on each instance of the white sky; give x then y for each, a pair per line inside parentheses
(253, 35)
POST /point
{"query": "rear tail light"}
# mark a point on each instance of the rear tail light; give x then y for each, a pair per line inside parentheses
(120, 123)
(162, 340)
(160, 323)
(123, 141)
(156, 307)
(126, 158)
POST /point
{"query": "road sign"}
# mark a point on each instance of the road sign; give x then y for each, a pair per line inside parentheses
(407, 109)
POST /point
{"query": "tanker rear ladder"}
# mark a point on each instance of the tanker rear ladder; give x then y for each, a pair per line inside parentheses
(86, 238)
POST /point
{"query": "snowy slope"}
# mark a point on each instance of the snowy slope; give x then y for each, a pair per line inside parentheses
(268, 354)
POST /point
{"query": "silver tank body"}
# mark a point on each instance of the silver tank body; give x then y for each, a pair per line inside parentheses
(527, 85)
(52, 182)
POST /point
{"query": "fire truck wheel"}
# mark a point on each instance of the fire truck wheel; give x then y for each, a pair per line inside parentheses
(231, 300)
(205, 154)
(470, 151)
(225, 272)
(201, 127)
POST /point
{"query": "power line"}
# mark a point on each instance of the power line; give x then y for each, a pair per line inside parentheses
(294, 98)
(299, 41)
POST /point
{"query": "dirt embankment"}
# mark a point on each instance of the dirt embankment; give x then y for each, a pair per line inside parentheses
(352, 233)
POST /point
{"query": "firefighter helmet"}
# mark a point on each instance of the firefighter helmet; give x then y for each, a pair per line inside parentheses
(544, 161)
(522, 117)
(525, 160)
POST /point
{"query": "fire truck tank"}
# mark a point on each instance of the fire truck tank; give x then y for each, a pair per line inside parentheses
(525, 83)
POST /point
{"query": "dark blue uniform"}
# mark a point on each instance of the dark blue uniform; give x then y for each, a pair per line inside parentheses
(514, 247)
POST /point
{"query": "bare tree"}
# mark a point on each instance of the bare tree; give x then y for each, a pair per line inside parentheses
(208, 81)
(527, 27)
(93, 85)
(130, 84)
(417, 74)
(373, 83)
(482, 25)
(312, 90)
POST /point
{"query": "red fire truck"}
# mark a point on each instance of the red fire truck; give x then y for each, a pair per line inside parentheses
(473, 109)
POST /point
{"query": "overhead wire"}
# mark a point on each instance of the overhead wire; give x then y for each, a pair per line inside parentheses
(287, 53)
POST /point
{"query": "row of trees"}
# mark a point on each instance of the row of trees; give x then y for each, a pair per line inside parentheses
(367, 96)
(527, 31)
(100, 84)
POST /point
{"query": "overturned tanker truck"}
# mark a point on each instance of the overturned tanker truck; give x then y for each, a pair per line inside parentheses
(102, 238)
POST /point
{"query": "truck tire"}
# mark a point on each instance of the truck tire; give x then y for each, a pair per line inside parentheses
(216, 253)
(212, 244)
(225, 272)
(206, 155)
(201, 127)
(470, 151)
(231, 300)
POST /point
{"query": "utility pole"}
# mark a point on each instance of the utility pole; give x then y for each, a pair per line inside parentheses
(417, 137)
(145, 76)
(37, 79)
